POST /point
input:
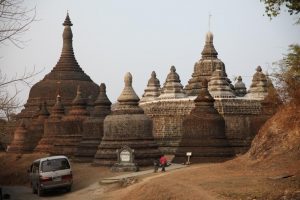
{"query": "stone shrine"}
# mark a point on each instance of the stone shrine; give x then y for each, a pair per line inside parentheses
(127, 125)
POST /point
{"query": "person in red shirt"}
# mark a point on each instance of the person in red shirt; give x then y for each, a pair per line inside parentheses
(163, 163)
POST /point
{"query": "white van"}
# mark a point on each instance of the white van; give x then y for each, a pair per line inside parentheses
(49, 173)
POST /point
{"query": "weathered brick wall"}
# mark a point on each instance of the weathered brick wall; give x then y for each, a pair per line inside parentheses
(168, 117)
(243, 118)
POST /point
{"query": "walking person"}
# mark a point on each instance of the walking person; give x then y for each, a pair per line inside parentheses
(163, 163)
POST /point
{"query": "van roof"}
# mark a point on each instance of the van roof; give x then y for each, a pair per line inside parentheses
(49, 158)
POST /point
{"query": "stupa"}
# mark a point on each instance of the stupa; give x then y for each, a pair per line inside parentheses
(204, 68)
(172, 87)
(36, 128)
(204, 132)
(26, 139)
(52, 127)
(259, 85)
(218, 86)
(127, 125)
(20, 143)
(93, 128)
(240, 87)
(153, 89)
(70, 134)
(66, 75)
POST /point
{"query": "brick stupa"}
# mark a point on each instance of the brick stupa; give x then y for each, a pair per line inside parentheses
(26, 139)
(259, 85)
(172, 87)
(153, 89)
(20, 142)
(93, 128)
(204, 68)
(127, 125)
(66, 75)
(240, 87)
(70, 133)
(204, 132)
(52, 127)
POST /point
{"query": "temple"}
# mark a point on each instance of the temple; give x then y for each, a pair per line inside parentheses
(67, 113)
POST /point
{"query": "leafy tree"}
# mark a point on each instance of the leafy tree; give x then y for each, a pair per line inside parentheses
(274, 7)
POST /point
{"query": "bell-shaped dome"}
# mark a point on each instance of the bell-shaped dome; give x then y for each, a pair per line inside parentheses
(240, 87)
(65, 76)
(127, 125)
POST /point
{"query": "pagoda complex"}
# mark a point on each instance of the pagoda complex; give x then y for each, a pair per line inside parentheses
(210, 117)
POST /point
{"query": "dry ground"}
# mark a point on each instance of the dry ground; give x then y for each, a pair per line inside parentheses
(235, 179)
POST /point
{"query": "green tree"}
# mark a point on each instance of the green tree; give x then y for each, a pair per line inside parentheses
(274, 7)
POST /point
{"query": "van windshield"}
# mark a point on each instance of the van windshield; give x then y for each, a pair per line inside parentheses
(55, 164)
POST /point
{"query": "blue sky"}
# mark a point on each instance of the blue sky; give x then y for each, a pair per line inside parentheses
(113, 37)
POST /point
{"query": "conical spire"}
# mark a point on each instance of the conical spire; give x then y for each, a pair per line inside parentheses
(79, 100)
(209, 50)
(128, 95)
(67, 21)
(102, 98)
(153, 89)
(172, 87)
(219, 86)
(239, 87)
(259, 86)
(204, 68)
(102, 103)
(67, 61)
(58, 109)
(79, 104)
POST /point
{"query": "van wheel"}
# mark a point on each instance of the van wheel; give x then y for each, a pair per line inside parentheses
(40, 192)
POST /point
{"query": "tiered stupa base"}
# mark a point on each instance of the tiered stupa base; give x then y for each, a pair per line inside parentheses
(87, 149)
(66, 145)
(204, 150)
(145, 151)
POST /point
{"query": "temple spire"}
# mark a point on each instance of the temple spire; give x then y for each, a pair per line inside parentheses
(67, 60)
(67, 21)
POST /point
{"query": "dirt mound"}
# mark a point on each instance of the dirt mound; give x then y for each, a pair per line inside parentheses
(280, 135)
